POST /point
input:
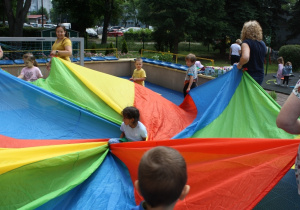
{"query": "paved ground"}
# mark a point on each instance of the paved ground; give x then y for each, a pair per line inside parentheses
(282, 92)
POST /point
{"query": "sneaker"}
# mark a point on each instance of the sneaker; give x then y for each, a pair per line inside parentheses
(276, 83)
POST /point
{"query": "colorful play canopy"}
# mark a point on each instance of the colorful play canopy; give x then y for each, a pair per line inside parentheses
(54, 152)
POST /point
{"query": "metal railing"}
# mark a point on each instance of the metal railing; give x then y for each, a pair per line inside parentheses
(176, 55)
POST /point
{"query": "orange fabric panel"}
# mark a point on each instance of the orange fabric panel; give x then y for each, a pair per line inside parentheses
(162, 122)
(224, 173)
(8, 142)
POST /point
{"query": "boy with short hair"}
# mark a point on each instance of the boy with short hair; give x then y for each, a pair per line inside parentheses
(162, 177)
(191, 77)
(139, 74)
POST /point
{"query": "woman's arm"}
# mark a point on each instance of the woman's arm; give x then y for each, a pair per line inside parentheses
(289, 114)
(1, 52)
(245, 55)
(62, 53)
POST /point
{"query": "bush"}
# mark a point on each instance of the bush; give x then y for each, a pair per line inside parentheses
(291, 53)
(143, 34)
(109, 51)
(124, 47)
(273, 95)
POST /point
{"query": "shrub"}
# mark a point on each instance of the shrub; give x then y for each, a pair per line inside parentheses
(291, 53)
(124, 47)
(109, 51)
(273, 95)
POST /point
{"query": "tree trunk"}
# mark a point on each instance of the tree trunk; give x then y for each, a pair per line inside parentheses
(175, 45)
(16, 22)
(109, 5)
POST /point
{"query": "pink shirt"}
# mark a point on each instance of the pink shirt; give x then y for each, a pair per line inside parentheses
(279, 71)
(31, 74)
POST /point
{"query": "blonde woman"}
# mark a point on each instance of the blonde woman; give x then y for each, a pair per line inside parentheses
(253, 51)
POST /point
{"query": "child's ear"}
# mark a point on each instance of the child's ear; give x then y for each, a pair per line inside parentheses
(136, 185)
(184, 192)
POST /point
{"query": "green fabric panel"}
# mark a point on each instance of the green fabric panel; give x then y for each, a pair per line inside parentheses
(251, 113)
(64, 83)
(30, 186)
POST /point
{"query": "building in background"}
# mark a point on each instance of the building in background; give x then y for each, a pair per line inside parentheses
(37, 4)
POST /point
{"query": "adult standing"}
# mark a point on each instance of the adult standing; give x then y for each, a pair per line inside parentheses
(1, 52)
(253, 51)
(235, 52)
(62, 46)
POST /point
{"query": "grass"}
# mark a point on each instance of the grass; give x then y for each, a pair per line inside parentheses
(184, 48)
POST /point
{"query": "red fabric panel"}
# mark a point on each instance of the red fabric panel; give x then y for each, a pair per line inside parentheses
(162, 118)
(230, 173)
(8, 142)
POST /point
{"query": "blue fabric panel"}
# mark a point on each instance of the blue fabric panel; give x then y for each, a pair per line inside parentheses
(6, 62)
(41, 60)
(19, 61)
(98, 58)
(109, 187)
(148, 60)
(74, 59)
(211, 99)
(111, 58)
(157, 62)
(85, 59)
(29, 112)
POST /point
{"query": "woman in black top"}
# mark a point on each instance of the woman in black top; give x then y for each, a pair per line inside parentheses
(253, 51)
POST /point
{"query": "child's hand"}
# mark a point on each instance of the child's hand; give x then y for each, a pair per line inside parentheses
(131, 79)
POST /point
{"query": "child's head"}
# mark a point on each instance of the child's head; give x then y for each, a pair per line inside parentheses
(288, 63)
(190, 59)
(29, 60)
(162, 177)
(138, 63)
(280, 60)
(238, 41)
(131, 115)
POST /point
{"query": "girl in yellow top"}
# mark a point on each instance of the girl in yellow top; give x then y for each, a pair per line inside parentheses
(62, 47)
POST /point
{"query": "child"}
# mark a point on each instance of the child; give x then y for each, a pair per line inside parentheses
(162, 178)
(279, 71)
(139, 74)
(191, 74)
(132, 129)
(31, 72)
(287, 70)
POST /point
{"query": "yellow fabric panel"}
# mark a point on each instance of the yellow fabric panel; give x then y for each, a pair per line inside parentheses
(118, 93)
(13, 158)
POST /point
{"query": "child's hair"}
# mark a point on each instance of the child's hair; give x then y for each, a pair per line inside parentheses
(162, 176)
(31, 58)
(280, 60)
(238, 41)
(288, 63)
(191, 57)
(131, 112)
(138, 59)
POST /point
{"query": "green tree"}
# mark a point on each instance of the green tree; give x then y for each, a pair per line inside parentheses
(16, 17)
(130, 11)
(294, 20)
(173, 19)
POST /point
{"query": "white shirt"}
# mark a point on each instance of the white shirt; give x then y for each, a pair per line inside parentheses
(134, 134)
(235, 48)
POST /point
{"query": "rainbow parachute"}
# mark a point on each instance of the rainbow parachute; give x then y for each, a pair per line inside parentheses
(54, 132)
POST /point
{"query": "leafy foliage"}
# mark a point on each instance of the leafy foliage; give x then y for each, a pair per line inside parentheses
(291, 53)
(124, 47)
